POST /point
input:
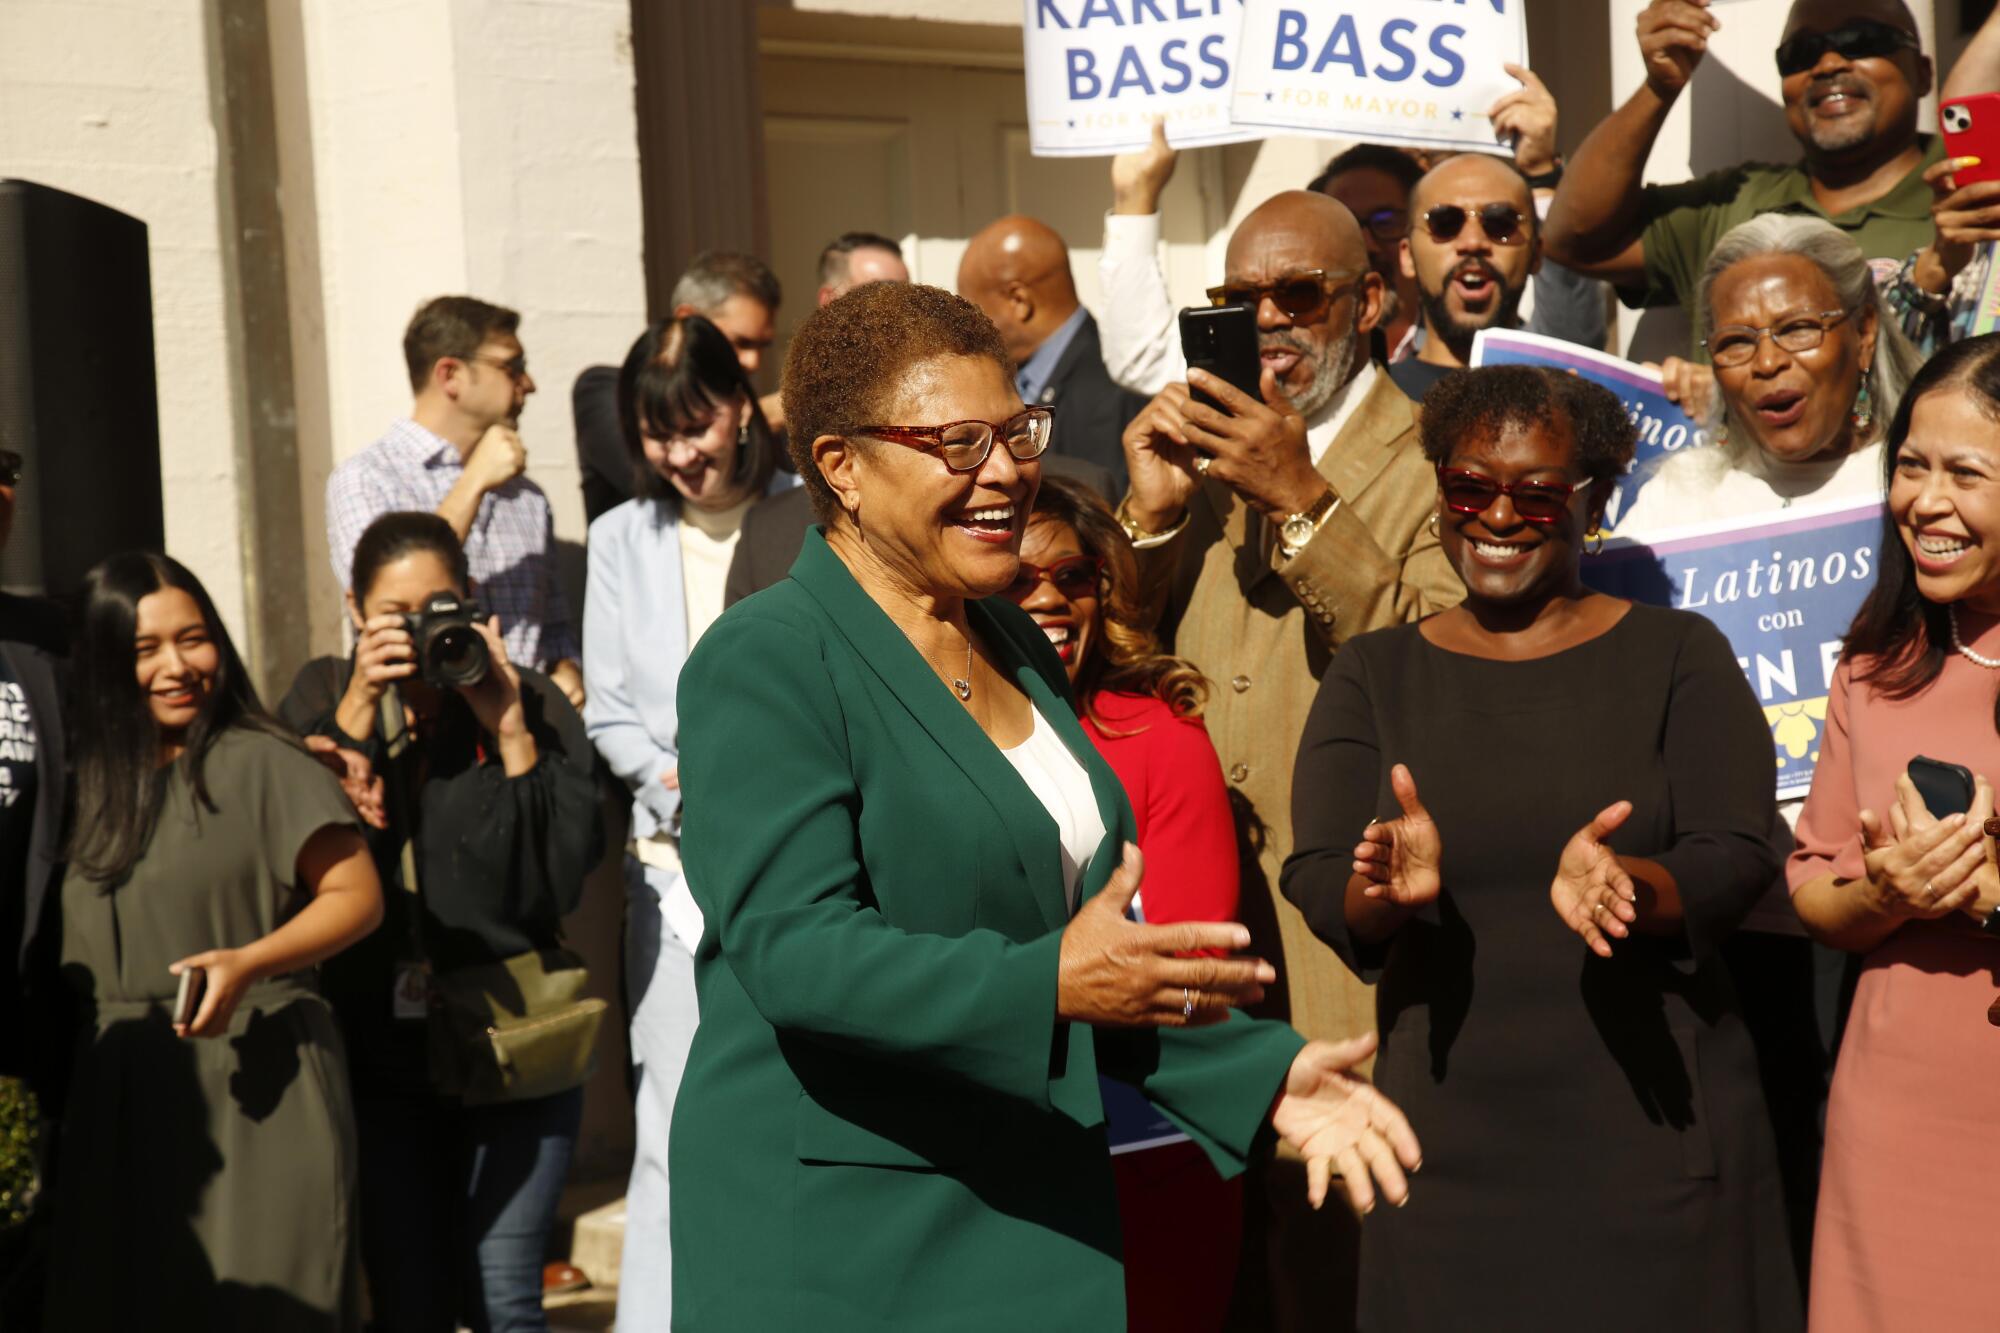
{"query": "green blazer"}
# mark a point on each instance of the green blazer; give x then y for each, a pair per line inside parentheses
(883, 1124)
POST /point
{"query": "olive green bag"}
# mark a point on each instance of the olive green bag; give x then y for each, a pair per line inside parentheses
(511, 1030)
(514, 1030)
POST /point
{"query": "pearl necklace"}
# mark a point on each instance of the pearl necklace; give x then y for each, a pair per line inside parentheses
(1990, 663)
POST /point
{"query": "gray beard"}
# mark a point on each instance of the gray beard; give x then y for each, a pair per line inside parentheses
(1331, 371)
(1841, 138)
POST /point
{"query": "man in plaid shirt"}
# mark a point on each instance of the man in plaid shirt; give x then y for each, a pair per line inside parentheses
(458, 454)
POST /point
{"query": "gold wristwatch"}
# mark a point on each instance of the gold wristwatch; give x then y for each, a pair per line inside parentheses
(1298, 529)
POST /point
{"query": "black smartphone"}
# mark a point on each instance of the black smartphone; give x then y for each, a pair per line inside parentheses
(1946, 788)
(187, 1000)
(1222, 340)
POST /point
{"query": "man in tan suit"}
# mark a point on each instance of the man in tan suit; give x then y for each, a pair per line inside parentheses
(1268, 535)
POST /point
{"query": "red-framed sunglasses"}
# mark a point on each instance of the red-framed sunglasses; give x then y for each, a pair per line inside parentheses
(1542, 502)
(1073, 576)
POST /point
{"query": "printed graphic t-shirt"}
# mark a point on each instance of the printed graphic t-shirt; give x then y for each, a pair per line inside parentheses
(19, 744)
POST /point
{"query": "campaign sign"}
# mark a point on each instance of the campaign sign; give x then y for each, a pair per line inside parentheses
(1100, 70)
(1663, 427)
(1403, 71)
(1782, 587)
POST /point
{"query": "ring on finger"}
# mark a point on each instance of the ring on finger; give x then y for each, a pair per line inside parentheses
(1202, 462)
(1187, 1003)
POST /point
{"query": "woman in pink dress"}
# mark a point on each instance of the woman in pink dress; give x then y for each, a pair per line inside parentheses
(1909, 1204)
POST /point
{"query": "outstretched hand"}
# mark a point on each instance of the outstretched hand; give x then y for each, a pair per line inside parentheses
(1400, 859)
(1115, 972)
(1338, 1121)
(1592, 892)
(357, 778)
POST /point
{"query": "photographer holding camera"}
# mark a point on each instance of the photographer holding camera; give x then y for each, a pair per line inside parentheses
(474, 777)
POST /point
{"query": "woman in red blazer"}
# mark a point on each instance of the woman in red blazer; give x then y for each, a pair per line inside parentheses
(1142, 709)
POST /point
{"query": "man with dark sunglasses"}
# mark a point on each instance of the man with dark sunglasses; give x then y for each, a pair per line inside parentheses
(1472, 247)
(1851, 74)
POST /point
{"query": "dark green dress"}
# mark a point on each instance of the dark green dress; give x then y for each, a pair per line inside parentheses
(883, 1124)
(206, 1183)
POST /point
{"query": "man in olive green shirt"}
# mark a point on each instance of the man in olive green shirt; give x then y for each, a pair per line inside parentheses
(1853, 73)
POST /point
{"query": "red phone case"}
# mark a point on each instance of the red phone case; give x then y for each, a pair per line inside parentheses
(1971, 127)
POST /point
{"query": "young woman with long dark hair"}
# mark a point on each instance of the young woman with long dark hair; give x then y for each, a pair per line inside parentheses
(492, 804)
(206, 1183)
(1905, 1210)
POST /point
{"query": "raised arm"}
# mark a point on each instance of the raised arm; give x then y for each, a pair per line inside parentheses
(1137, 328)
(1595, 223)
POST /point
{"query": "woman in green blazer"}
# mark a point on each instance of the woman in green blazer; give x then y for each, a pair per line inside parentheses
(890, 1116)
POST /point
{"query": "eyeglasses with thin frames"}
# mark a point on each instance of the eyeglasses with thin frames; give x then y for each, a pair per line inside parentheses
(514, 368)
(1736, 344)
(964, 445)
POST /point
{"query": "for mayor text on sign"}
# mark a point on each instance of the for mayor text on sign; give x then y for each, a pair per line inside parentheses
(1099, 71)
(1408, 71)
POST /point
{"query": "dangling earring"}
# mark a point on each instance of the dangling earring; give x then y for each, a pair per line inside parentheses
(743, 434)
(1864, 405)
(1595, 534)
(1434, 522)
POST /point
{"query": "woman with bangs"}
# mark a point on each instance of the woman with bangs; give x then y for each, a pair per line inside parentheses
(701, 455)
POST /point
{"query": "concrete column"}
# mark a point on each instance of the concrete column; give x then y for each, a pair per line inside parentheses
(701, 126)
(479, 146)
(115, 102)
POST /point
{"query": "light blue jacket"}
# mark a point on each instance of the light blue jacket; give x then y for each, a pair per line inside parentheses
(634, 641)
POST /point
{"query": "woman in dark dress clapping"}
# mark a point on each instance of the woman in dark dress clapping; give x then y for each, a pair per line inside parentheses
(1552, 1007)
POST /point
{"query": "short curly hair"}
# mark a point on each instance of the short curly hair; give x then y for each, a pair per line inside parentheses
(849, 357)
(1492, 398)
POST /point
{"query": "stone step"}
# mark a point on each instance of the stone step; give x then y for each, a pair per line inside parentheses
(597, 1241)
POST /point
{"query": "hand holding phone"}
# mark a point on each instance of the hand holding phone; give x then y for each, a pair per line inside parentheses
(1971, 128)
(1946, 788)
(1222, 340)
(187, 1001)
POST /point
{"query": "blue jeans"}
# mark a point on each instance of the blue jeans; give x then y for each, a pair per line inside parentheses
(456, 1208)
(520, 1159)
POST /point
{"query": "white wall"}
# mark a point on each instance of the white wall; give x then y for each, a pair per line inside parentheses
(112, 102)
(487, 147)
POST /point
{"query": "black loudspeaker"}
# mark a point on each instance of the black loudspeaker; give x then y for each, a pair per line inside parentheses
(77, 394)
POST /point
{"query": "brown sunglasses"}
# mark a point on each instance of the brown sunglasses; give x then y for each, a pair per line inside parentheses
(1301, 296)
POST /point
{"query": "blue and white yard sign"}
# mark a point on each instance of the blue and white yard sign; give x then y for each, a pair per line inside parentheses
(1098, 71)
(1663, 427)
(1782, 587)
(1402, 71)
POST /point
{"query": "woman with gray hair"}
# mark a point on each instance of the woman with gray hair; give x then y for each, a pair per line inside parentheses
(1807, 365)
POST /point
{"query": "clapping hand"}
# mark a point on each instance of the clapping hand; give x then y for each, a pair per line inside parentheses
(1921, 867)
(1339, 1122)
(1115, 972)
(1400, 859)
(1591, 891)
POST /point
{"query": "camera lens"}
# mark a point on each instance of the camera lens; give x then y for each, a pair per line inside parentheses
(456, 656)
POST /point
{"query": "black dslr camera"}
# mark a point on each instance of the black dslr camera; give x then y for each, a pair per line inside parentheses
(450, 653)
